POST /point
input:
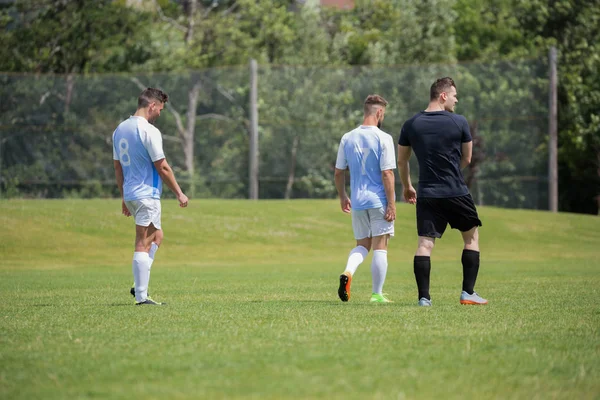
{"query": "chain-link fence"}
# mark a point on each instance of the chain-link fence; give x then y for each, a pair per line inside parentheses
(55, 131)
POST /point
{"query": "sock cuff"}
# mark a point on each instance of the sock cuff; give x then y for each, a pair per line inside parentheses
(380, 251)
(153, 250)
(422, 258)
(140, 255)
(361, 250)
(467, 251)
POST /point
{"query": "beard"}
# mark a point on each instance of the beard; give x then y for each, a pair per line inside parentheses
(379, 124)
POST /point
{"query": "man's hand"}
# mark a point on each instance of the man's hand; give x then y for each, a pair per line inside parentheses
(183, 200)
(410, 195)
(390, 212)
(124, 209)
(345, 204)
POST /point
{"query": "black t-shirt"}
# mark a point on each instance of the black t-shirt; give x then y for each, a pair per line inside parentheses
(436, 137)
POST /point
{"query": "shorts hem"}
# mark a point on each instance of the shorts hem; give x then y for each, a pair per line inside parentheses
(430, 235)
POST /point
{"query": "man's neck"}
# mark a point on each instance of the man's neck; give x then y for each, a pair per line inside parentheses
(370, 120)
(434, 106)
(141, 112)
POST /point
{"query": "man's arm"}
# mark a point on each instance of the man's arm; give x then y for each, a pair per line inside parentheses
(410, 195)
(166, 174)
(389, 181)
(120, 181)
(340, 184)
(467, 152)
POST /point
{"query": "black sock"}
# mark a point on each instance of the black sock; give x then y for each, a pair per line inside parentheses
(422, 268)
(470, 262)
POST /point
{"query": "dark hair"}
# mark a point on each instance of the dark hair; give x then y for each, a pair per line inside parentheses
(151, 94)
(374, 100)
(439, 86)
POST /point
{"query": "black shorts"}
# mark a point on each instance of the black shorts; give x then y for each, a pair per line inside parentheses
(434, 214)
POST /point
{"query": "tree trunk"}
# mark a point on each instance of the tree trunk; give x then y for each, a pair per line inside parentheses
(189, 134)
(69, 92)
(190, 26)
(292, 172)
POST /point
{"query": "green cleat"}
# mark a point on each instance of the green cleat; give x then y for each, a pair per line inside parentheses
(380, 298)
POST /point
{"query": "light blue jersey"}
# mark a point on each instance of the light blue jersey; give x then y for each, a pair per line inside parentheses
(367, 151)
(137, 144)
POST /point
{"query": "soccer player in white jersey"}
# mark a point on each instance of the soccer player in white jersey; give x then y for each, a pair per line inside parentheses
(140, 169)
(369, 154)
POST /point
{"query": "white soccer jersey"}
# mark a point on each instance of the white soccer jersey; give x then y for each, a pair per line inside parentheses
(367, 151)
(137, 144)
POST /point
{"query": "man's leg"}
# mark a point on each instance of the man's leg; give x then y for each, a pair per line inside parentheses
(422, 267)
(155, 244)
(362, 234)
(431, 224)
(470, 259)
(470, 263)
(379, 264)
(357, 255)
(141, 261)
(355, 258)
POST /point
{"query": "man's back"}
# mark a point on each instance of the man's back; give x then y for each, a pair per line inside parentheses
(366, 151)
(436, 137)
(137, 144)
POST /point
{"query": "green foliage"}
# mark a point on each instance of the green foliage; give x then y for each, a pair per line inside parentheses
(394, 32)
(304, 110)
(72, 36)
(510, 28)
(574, 27)
(489, 29)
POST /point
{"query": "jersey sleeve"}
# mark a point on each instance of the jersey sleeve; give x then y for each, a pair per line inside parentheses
(341, 162)
(388, 155)
(153, 144)
(466, 132)
(114, 146)
(403, 140)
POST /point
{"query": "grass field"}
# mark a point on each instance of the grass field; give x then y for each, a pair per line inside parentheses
(253, 309)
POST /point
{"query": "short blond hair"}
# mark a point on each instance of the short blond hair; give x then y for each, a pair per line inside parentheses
(373, 102)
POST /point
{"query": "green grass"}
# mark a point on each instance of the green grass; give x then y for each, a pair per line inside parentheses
(253, 309)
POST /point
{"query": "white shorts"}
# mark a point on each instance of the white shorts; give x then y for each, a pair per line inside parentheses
(145, 212)
(370, 223)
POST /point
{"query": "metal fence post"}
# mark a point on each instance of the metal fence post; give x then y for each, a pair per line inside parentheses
(553, 135)
(253, 151)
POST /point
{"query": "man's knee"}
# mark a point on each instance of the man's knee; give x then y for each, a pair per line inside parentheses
(381, 242)
(425, 246)
(366, 243)
(471, 239)
(158, 237)
(471, 236)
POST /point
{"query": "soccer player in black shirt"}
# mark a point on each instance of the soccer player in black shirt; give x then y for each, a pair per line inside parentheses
(443, 145)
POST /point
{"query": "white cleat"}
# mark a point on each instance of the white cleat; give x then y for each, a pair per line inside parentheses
(472, 299)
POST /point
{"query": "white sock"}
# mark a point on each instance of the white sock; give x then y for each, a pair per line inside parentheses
(141, 275)
(379, 270)
(356, 257)
(152, 252)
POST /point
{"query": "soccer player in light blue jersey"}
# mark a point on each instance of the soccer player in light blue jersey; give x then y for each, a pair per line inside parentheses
(140, 169)
(369, 154)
